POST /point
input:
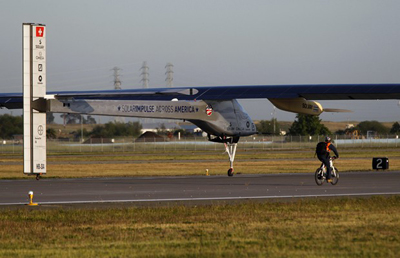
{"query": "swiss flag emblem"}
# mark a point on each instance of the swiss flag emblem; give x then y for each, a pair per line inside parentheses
(39, 31)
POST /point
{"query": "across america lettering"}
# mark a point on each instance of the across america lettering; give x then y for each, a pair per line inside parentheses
(164, 109)
(185, 109)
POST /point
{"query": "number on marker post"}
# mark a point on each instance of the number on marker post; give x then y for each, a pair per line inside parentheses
(380, 163)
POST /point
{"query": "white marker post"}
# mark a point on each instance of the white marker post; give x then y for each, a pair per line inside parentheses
(34, 103)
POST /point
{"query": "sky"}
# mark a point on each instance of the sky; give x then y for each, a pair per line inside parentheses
(213, 43)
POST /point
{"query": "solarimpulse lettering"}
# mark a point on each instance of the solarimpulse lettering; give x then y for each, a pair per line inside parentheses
(136, 108)
(156, 109)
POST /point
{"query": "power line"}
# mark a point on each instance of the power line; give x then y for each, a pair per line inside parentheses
(170, 74)
(145, 75)
(117, 81)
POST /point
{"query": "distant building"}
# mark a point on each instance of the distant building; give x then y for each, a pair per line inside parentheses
(191, 128)
(155, 127)
(170, 127)
(150, 137)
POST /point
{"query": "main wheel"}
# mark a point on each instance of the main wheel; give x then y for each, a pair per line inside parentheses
(335, 176)
(230, 172)
(319, 176)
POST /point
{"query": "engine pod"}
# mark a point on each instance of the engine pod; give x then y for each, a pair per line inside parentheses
(298, 105)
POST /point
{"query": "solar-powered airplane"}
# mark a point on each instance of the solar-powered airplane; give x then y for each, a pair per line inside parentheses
(213, 109)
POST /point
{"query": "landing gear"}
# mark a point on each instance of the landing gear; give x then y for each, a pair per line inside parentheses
(231, 150)
(230, 147)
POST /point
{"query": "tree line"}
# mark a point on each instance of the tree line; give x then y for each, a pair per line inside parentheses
(116, 129)
(108, 130)
(70, 119)
(12, 125)
(303, 125)
(311, 125)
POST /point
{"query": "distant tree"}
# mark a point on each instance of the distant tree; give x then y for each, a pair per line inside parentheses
(78, 134)
(112, 129)
(51, 133)
(71, 119)
(267, 127)
(308, 125)
(76, 119)
(89, 120)
(340, 132)
(50, 118)
(375, 126)
(10, 125)
(395, 128)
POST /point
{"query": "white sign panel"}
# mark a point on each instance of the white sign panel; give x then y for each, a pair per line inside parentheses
(39, 142)
(34, 88)
(39, 61)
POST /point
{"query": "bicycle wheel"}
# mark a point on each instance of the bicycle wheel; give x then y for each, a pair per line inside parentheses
(335, 176)
(319, 176)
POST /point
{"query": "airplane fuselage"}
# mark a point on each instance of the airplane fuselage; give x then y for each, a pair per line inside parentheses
(216, 117)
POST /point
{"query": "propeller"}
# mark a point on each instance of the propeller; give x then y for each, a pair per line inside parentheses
(336, 110)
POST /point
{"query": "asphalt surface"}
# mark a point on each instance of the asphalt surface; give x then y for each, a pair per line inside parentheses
(135, 190)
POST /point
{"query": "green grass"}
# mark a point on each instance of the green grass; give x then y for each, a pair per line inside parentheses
(305, 228)
(201, 154)
(175, 163)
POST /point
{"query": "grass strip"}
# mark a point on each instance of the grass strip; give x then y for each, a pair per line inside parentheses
(179, 168)
(110, 169)
(194, 163)
(360, 227)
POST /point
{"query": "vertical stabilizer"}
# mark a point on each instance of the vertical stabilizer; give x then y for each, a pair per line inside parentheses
(34, 104)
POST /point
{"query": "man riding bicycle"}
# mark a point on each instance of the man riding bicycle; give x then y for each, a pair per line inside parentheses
(323, 153)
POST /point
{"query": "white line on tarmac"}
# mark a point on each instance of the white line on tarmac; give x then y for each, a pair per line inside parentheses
(207, 199)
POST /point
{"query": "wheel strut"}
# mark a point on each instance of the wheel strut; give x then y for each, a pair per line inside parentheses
(231, 150)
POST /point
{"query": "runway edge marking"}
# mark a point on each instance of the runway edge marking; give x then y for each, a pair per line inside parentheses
(208, 199)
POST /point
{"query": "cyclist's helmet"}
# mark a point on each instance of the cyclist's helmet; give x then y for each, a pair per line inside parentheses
(328, 139)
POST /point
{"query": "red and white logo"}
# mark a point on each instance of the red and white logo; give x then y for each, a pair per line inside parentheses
(209, 110)
(39, 31)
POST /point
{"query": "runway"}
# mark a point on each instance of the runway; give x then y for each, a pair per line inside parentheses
(194, 188)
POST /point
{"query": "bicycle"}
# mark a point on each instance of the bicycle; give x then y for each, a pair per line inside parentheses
(320, 173)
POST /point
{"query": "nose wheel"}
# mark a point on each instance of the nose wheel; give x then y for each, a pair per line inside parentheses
(230, 148)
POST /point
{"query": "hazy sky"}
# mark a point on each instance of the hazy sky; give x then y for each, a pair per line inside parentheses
(219, 42)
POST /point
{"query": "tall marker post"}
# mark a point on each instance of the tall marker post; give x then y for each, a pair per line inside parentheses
(34, 103)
